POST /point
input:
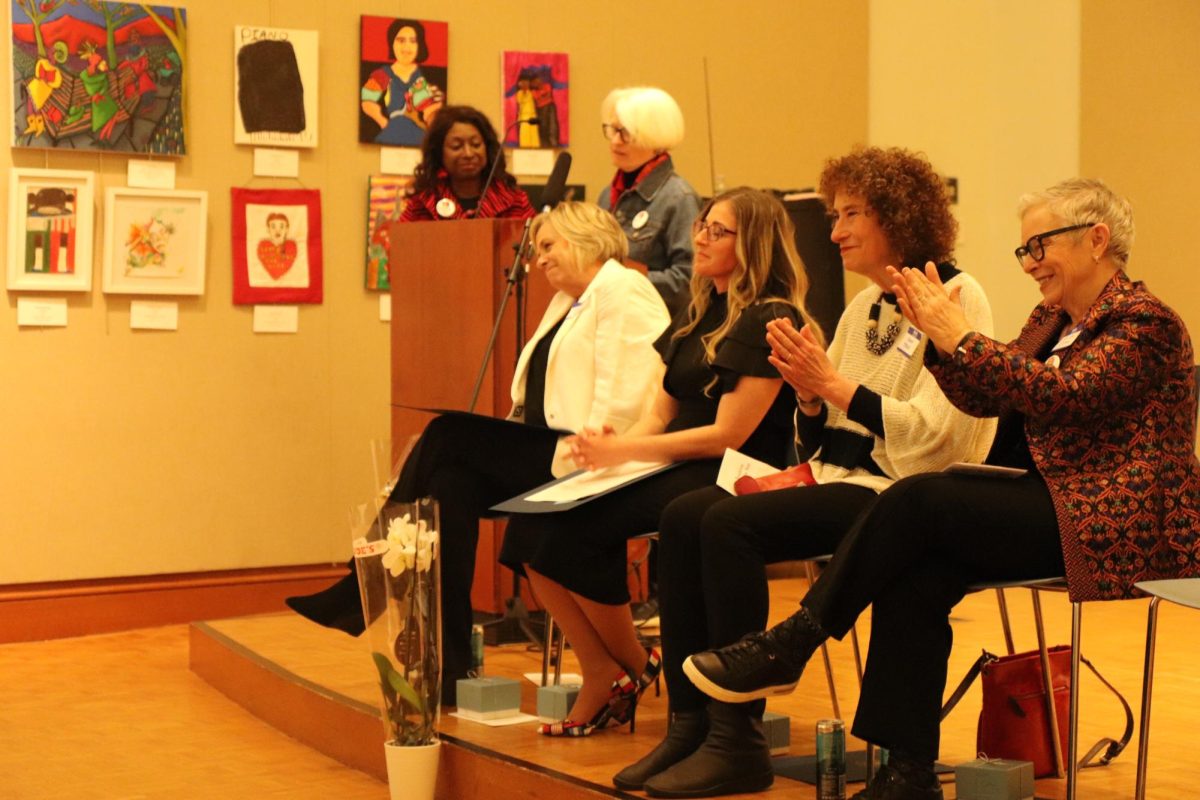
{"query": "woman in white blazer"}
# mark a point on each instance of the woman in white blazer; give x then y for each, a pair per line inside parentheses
(591, 364)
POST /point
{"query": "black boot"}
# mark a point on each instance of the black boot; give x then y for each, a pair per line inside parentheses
(900, 781)
(339, 606)
(685, 733)
(734, 758)
(760, 664)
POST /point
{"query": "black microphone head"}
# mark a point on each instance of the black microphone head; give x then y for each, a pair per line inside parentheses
(556, 187)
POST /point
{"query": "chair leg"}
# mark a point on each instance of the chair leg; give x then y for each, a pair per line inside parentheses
(547, 649)
(560, 651)
(1048, 686)
(1073, 723)
(858, 665)
(1008, 638)
(811, 575)
(1147, 686)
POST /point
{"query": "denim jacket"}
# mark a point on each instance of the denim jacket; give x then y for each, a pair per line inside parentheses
(664, 242)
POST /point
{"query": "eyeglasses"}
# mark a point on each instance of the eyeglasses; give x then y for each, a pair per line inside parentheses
(715, 231)
(609, 130)
(1035, 248)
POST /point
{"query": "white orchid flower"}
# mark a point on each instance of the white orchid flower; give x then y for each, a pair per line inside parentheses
(409, 545)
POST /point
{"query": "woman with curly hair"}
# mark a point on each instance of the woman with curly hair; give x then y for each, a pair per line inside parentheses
(456, 156)
(719, 391)
(869, 413)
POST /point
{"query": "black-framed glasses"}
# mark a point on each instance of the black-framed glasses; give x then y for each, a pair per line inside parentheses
(1035, 248)
(610, 130)
(715, 231)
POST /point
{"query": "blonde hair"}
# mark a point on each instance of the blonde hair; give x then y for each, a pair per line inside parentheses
(651, 116)
(1082, 201)
(769, 269)
(592, 234)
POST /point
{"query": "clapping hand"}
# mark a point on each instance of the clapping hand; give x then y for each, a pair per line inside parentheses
(592, 449)
(924, 300)
(801, 361)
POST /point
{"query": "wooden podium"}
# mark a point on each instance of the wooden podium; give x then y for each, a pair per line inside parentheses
(448, 281)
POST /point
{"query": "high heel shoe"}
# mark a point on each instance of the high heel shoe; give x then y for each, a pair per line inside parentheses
(621, 688)
(623, 708)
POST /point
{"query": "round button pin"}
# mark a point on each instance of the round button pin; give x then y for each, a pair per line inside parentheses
(640, 219)
(446, 208)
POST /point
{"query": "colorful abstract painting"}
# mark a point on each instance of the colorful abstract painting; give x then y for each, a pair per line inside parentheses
(402, 79)
(95, 75)
(277, 246)
(386, 196)
(50, 230)
(535, 88)
(155, 241)
(275, 87)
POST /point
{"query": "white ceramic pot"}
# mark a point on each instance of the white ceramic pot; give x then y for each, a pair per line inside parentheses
(412, 771)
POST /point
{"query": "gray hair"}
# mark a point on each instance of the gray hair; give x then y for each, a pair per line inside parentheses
(651, 116)
(1078, 201)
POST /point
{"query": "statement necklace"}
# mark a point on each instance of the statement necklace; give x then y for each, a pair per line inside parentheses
(874, 343)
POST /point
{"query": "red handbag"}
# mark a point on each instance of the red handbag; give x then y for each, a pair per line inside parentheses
(1013, 722)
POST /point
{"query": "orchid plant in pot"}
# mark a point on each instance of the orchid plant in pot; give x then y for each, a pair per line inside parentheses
(400, 584)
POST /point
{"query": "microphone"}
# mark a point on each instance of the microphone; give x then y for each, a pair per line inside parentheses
(496, 162)
(556, 187)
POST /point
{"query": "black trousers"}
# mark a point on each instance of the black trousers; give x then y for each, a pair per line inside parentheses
(469, 464)
(712, 570)
(913, 554)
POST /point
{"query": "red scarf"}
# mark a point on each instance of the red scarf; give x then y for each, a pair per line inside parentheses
(618, 184)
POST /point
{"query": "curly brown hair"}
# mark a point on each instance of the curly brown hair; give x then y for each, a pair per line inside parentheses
(908, 197)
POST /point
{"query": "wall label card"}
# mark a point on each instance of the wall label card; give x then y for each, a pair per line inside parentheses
(276, 319)
(48, 313)
(149, 315)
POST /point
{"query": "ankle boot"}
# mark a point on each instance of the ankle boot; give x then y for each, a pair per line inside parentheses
(734, 758)
(685, 732)
(760, 664)
(338, 607)
(892, 783)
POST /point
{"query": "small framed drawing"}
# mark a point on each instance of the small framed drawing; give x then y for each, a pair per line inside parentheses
(50, 218)
(154, 241)
(276, 246)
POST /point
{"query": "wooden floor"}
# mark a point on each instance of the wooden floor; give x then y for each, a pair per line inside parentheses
(121, 716)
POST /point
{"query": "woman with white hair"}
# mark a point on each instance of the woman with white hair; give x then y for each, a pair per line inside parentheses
(590, 364)
(654, 206)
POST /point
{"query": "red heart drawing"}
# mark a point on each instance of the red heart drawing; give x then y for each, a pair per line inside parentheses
(277, 259)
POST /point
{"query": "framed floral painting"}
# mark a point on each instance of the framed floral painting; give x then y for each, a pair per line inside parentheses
(154, 241)
(50, 218)
(277, 246)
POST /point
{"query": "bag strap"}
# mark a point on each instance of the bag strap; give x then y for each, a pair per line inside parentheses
(973, 672)
(1111, 747)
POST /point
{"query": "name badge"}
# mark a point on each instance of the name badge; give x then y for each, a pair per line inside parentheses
(446, 208)
(640, 219)
(575, 310)
(910, 341)
(1066, 341)
(1053, 361)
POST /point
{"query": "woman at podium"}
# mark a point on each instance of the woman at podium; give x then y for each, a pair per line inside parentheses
(591, 364)
(654, 205)
(719, 391)
(457, 155)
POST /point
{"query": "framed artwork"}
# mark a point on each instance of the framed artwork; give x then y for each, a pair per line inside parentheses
(97, 75)
(402, 79)
(277, 246)
(275, 87)
(386, 197)
(50, 218)
(534, 87)
(154, 241)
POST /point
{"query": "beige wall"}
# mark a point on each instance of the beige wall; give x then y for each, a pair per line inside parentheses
(960, 82)
(137, 453)
(1140, 117)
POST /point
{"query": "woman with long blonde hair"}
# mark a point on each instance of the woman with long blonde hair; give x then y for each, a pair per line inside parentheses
(719, 391)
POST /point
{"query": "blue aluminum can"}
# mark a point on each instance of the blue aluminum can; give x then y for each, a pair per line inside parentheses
(831, 759)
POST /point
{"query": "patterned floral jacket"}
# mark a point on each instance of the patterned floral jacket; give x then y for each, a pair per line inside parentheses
(1111, 429)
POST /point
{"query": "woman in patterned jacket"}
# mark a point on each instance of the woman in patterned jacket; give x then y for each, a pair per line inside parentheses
(1097, 403)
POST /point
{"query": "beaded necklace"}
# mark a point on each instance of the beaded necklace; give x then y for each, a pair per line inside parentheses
(875, 344)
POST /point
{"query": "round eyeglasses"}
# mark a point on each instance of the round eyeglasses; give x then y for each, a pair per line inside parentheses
(1035, 248)
(715, 231)
(610, 130)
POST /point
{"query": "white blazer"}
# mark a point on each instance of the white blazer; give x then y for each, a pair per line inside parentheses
(602, 368)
